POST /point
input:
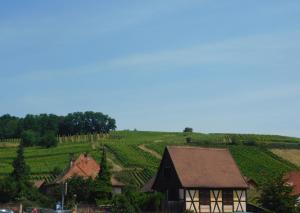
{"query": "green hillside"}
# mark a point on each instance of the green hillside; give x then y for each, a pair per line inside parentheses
(132, 163)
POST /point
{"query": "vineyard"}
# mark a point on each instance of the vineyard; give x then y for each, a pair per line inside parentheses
(136, 166)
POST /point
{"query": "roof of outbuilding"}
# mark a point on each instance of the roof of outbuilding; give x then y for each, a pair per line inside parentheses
(84, 166)
(293, 178)
(206, 167)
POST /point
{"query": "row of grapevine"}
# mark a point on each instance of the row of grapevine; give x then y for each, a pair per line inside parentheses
(132, 156)
(137, 177)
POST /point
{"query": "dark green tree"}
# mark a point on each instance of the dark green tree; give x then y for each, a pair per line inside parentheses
(188, 129)
(102, 183)
(276, 195)
(20, 173)
(29, 138)
(8, 190)
(21, 170)
(49, 139)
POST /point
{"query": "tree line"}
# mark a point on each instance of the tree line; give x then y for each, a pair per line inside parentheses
(39, 129)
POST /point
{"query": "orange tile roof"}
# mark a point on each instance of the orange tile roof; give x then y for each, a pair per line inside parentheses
(84, 166)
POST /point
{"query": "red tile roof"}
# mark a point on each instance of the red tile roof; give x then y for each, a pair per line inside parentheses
(293, 178)
(206, 167)
(84, 166)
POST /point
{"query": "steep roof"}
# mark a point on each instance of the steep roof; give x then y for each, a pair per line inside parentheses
(293, 178)
(206, 167)
(148, 185)
(84, 166)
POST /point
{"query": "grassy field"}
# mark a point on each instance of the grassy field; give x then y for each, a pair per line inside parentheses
(292, 155)
(132, 164)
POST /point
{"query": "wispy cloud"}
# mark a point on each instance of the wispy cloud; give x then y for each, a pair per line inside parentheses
(271, 51)
(274, 50)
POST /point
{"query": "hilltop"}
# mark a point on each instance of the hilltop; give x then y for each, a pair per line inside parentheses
(135, 155)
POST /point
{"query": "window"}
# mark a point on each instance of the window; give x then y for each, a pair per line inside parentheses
(227, 197)
(173, 194)
(181, 194)
(204, 197)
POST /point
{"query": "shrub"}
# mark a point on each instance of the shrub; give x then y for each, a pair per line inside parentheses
(49, 139)
(188, 140)
(188, 129)
(29, 138)
(250, 143)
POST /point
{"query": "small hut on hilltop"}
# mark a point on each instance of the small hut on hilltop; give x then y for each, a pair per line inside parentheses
(201, 180)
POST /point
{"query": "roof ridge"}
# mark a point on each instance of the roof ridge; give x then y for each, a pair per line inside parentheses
(196, 147)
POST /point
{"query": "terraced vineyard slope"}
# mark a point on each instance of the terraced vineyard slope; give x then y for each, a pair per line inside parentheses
(131, 159)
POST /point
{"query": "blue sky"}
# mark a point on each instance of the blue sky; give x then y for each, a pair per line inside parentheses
(216, 66)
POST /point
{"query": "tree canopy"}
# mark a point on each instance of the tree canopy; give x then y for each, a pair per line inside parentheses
(43, 124)
(277, 196)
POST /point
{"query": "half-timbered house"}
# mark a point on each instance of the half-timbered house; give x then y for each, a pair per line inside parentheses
(201, 180)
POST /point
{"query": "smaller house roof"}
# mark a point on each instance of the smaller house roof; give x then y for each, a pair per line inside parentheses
(293, 178)
(38, 183)
(206, 167)
(116, 183)
(148, 185)
(84, 166)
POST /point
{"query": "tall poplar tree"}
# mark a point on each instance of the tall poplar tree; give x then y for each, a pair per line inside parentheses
(103, 188)
(21, 171)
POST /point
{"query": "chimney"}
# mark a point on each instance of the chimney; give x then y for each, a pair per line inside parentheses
(72, 162)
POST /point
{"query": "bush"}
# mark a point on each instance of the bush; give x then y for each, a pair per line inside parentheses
(277, 196)
(188, 140)
(8, 190)
(250, 143)
(188, 129)
(29, 138)
(49, 139)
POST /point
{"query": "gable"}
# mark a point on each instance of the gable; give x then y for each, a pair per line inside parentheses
(166, 177)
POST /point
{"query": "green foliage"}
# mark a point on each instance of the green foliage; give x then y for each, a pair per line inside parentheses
(134, 201)
(72, 124)
(136, 177)
(86, 123)
(48, 139)
(121, 204)
(56, 171)
(188, 129)
(79, 190)
(102, 184)
(21, 170)
(8, 190)
(29, 138)
(132, 156)
(140, 166)
(188, 140)
(42, 161)
(149, 201)
(276, 195)
(256, 162)
(9, 126)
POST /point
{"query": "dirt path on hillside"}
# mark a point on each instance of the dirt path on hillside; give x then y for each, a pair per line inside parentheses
(115, 167)
(152, 152)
